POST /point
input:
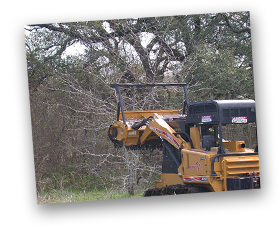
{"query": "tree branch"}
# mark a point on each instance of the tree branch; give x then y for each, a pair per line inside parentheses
(235, 30)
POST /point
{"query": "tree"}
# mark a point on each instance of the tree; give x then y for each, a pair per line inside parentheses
(158, 45)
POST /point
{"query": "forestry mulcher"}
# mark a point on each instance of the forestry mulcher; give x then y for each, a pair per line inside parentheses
(196, 158)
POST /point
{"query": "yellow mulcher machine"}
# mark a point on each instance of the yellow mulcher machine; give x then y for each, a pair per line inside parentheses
(196, 158)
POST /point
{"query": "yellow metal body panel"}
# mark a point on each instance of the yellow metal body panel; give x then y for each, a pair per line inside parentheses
(137, 114)
(169, 179)
(235, 166)
(158, 126)
(195, 136)
(234, 146)
(196, 167)
(125, 134)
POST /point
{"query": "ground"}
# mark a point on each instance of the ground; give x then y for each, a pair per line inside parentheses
(65, 196)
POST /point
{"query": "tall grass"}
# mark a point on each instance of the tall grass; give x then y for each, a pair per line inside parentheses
(72, 186)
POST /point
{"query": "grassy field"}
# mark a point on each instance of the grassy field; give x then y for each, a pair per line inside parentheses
(64, 196)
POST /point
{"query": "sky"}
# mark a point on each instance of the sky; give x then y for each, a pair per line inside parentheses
(75, 49)
(79, 48)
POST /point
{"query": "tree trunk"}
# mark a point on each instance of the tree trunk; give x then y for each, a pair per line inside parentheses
(130, 171)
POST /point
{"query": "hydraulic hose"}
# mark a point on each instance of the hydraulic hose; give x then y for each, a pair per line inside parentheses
(138, 125)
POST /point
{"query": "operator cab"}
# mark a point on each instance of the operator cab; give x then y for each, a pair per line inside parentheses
(224, 111)
(210, 116)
